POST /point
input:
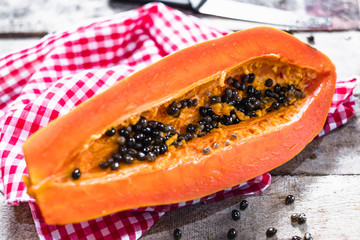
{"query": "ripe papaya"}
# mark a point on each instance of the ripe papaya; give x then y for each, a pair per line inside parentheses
(200, 120)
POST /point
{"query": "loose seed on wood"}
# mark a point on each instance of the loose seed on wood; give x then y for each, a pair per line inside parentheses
(244, 204)
(294, 217)
(289, 199)
(231, 233)
(235, 214)
(308, 236)
(296, 238)
(271, 232)
(177, 234)
(311, 39)
(302, 218)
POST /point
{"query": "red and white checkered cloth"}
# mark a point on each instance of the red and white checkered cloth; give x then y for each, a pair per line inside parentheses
(46, 81)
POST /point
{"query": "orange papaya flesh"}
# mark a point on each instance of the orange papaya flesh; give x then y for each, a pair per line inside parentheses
(93, 175)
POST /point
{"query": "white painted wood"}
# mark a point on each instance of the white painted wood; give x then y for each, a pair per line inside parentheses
(329, 202)
(16, 221)
(343, 48)
(326, 188)
(39, 16)
(335, 153)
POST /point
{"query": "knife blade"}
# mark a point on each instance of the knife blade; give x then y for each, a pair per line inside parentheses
(255, 13)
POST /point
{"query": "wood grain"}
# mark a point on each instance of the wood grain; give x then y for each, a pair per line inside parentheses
(326, 187)
(327, 201)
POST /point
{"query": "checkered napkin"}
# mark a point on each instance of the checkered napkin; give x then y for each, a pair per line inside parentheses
(46, 81)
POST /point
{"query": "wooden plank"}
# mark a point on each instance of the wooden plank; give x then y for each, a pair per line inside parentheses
(335, 153)
(41, 16)
(342, 48)
(16, 221)
(327, 201)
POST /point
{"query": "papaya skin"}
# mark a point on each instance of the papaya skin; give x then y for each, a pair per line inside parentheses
(47, 150)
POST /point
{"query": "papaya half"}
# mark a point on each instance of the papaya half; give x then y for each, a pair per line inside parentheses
(200, 120)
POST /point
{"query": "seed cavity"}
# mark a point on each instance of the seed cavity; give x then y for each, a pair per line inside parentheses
(148, 139)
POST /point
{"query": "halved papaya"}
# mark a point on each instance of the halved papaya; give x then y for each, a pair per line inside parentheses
(200, 120)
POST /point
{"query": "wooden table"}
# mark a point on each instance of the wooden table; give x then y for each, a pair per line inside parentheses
(324, 177)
